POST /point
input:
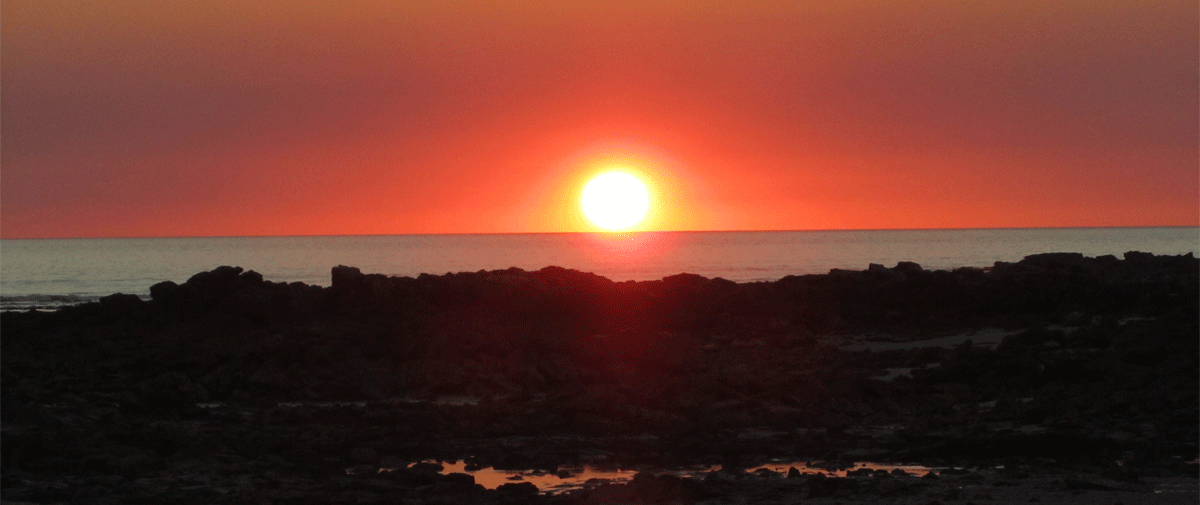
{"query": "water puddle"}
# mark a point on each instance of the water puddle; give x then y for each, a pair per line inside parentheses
(816, 468)
(568, 479)
(565, 479)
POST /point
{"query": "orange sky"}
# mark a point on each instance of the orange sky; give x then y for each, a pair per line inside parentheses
(213, 117)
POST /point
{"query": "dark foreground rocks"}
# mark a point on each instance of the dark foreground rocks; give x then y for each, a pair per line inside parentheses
(230, 388)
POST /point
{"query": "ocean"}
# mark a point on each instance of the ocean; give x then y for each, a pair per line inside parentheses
(54, 272)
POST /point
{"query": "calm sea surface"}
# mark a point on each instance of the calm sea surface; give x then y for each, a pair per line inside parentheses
(54, 272)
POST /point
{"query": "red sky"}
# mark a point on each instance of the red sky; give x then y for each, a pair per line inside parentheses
(214, 117)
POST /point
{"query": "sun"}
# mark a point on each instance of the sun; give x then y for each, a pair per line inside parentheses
(615, 201)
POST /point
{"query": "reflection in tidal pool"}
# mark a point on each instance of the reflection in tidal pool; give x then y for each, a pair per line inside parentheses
(564, 480)
(804, 468)
(567, 478)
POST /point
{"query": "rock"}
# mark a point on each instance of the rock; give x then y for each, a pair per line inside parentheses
(518, 489)
(346, 278)
(165, 292)
(1076, 483)
(612, 494)
(124, 306)
(392, 462)
(660, 488)
(1138, 257)
(1054, 261)
(460, 479)
(573, 369)
(363, 470)
(427, 468)
(361, 455)
(820, 486)
(217, 282)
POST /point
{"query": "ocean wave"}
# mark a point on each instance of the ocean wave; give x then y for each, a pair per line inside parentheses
(36, 301)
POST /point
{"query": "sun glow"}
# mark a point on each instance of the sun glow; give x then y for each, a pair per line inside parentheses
(615, 201)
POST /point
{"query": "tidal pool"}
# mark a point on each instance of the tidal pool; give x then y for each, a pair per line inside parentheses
(568, 478)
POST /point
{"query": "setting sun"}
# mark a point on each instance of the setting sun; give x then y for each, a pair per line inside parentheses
(615, 200)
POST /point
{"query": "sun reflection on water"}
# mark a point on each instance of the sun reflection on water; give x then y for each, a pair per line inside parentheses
(571, 478)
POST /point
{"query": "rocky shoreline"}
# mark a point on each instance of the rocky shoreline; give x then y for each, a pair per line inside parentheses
(1059, 378)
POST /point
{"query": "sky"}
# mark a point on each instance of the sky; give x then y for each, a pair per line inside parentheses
(293, 117)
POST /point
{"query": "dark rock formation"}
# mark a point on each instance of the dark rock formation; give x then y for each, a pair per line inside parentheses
(1102, 365)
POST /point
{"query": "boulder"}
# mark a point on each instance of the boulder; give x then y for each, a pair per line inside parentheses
(217, 282)
(346, 278)
(518, 489)
(121, 305)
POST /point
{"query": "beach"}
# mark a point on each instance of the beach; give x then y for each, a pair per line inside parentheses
(1059, 378)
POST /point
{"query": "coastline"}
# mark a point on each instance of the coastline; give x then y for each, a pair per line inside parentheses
(91, 268)
(1088, 388)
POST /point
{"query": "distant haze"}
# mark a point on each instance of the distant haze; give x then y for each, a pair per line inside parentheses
(215, 117)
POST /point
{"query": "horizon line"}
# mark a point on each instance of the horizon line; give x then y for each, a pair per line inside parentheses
(602, 232)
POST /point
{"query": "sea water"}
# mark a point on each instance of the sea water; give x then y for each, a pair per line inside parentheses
(54, 272)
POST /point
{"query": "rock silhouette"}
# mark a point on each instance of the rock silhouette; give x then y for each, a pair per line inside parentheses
(105, 401)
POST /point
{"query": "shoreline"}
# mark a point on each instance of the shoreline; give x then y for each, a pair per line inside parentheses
(36, 269)
(1079, 376)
